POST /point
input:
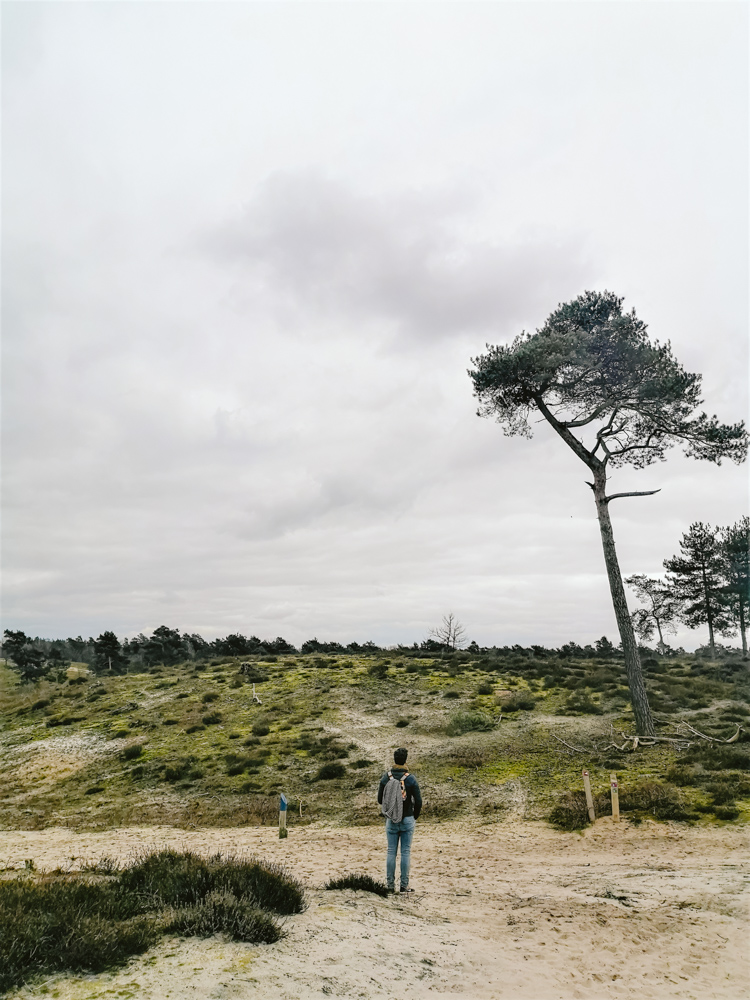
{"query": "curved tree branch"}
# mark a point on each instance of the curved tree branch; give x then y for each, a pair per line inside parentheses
(636, 493)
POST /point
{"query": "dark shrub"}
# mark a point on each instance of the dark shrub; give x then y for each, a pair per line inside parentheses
(133, 751)
(468, 722)
(261, 728)
(451, 694)
(647, 798)
(570, 812)
(223, 913)
(579, 703)
(721, 795)
(484, 688)
(726, 759)
(184, 879)
(42, 703)
(662, 801)
(362, 762)
(518, 701)
(330, 771)
(726, 812)
(378, 669)
(194, 729)
(57, 926)
(360, 883)
(402, 723)
(213, 719)
(209, 696)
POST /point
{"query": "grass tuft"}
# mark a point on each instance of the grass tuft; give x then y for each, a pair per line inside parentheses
(358, 882)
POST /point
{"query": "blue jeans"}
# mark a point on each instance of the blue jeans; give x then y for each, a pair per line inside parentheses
(398, 832)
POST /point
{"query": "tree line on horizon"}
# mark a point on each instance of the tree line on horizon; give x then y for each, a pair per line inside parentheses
(706, 585)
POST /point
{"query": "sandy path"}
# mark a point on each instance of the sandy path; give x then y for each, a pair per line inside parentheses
(513, 910)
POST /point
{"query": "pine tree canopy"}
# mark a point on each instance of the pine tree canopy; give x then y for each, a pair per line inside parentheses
(593, 366)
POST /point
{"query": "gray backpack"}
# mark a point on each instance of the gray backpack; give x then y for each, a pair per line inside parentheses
(394, 794)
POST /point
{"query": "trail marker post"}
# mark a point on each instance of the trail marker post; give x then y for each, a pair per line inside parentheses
(589, 796)
(615, 789)
(282, 817)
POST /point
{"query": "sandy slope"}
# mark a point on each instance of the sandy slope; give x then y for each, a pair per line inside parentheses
(512, 910)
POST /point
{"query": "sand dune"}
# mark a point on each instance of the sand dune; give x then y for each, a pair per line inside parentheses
(512, 910)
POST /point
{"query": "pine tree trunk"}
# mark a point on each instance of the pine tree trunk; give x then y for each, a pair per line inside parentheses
(709, 613)
(743, 632)
(644, 723)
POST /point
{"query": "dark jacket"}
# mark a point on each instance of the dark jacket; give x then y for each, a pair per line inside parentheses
(413, 800)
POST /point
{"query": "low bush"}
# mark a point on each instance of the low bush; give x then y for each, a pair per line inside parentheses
(378, 669)
(212, 719)
(362, 762)
(223, 913)
(133, 751)
(728, 812)
(360, 883)
(484, 688)
(569, 812)
(185, 878)
(330, 771)
(660, 800)
(209, 696)
(56, 926)
(517, 701)
(80, 925)
(579, 703)
(451, 694)
(469, 722)
(402, 723)
(261, 728)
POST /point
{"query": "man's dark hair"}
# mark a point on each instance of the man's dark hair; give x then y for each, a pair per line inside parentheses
(400, 755)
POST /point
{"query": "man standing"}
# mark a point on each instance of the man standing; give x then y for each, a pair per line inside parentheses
(401, 801)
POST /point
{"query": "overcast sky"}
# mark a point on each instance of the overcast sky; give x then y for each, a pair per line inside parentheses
(249, 250)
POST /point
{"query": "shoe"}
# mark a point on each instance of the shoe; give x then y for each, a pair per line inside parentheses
(391, 890)
(406, 890)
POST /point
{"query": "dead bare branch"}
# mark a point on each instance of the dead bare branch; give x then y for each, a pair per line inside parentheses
(569, 745)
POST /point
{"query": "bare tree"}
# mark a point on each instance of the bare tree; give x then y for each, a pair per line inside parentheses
(449, 633)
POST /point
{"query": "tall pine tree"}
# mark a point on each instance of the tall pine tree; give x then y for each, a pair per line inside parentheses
(697, 579)
(615, 398)
(734, 545)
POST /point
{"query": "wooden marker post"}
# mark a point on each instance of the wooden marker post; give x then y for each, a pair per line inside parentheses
(614, 787)
(589, 796)
(282, 817)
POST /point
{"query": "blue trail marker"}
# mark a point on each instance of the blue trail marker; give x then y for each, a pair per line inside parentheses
(282, 817)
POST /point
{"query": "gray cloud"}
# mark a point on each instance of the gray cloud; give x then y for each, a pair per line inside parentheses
(402, 260)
